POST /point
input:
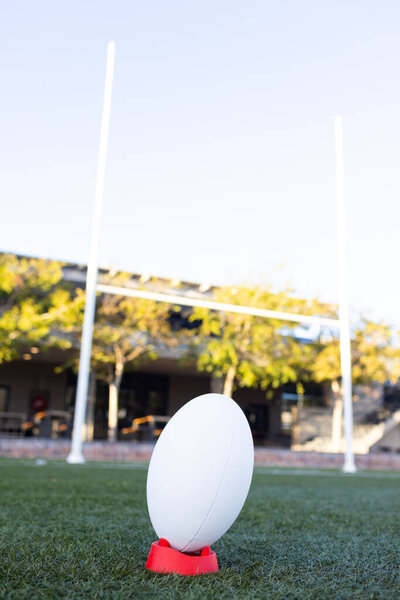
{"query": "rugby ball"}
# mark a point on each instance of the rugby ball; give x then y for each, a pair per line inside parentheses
(200, 472)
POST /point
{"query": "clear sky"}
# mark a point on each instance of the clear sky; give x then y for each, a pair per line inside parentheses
(221, 158)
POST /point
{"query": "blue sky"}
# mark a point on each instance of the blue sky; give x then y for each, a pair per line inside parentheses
(221, 157)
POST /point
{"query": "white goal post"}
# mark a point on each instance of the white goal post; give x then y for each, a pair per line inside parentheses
(75, 455)
(342, 324)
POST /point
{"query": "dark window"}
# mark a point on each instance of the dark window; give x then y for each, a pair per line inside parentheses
(4, 397)
(140, 395)
(258, 417)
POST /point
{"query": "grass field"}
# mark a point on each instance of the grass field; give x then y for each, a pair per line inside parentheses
(83, 532)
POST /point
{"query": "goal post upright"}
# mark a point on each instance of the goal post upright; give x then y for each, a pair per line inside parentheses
(75, 456)
(344, 319)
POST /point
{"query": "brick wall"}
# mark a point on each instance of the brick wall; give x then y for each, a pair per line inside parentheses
(141, 452)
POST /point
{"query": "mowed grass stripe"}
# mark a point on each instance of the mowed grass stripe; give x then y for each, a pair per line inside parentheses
(260, 469)
(84, 532)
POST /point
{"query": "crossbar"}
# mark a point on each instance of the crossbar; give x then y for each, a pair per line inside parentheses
(221, 306)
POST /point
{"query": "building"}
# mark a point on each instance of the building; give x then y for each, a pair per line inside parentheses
(35, 400)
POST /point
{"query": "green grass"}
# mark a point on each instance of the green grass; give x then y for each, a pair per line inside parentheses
(83, 532)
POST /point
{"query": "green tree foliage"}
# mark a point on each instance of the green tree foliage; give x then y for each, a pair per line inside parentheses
(127, 331)
(29, 301)
(373, 356)
(245, 350)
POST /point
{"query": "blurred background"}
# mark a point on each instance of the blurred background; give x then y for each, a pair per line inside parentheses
(220, 185)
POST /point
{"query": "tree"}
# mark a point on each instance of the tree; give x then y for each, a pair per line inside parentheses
(373, 360)
(127, 331)
(246, 350)
(29, 301)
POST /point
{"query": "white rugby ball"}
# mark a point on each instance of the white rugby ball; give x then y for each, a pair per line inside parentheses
(200, 472)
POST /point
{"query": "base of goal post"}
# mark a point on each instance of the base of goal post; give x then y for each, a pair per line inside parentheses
(75, 459)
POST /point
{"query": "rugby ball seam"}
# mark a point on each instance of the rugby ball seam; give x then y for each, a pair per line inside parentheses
(220, 484)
